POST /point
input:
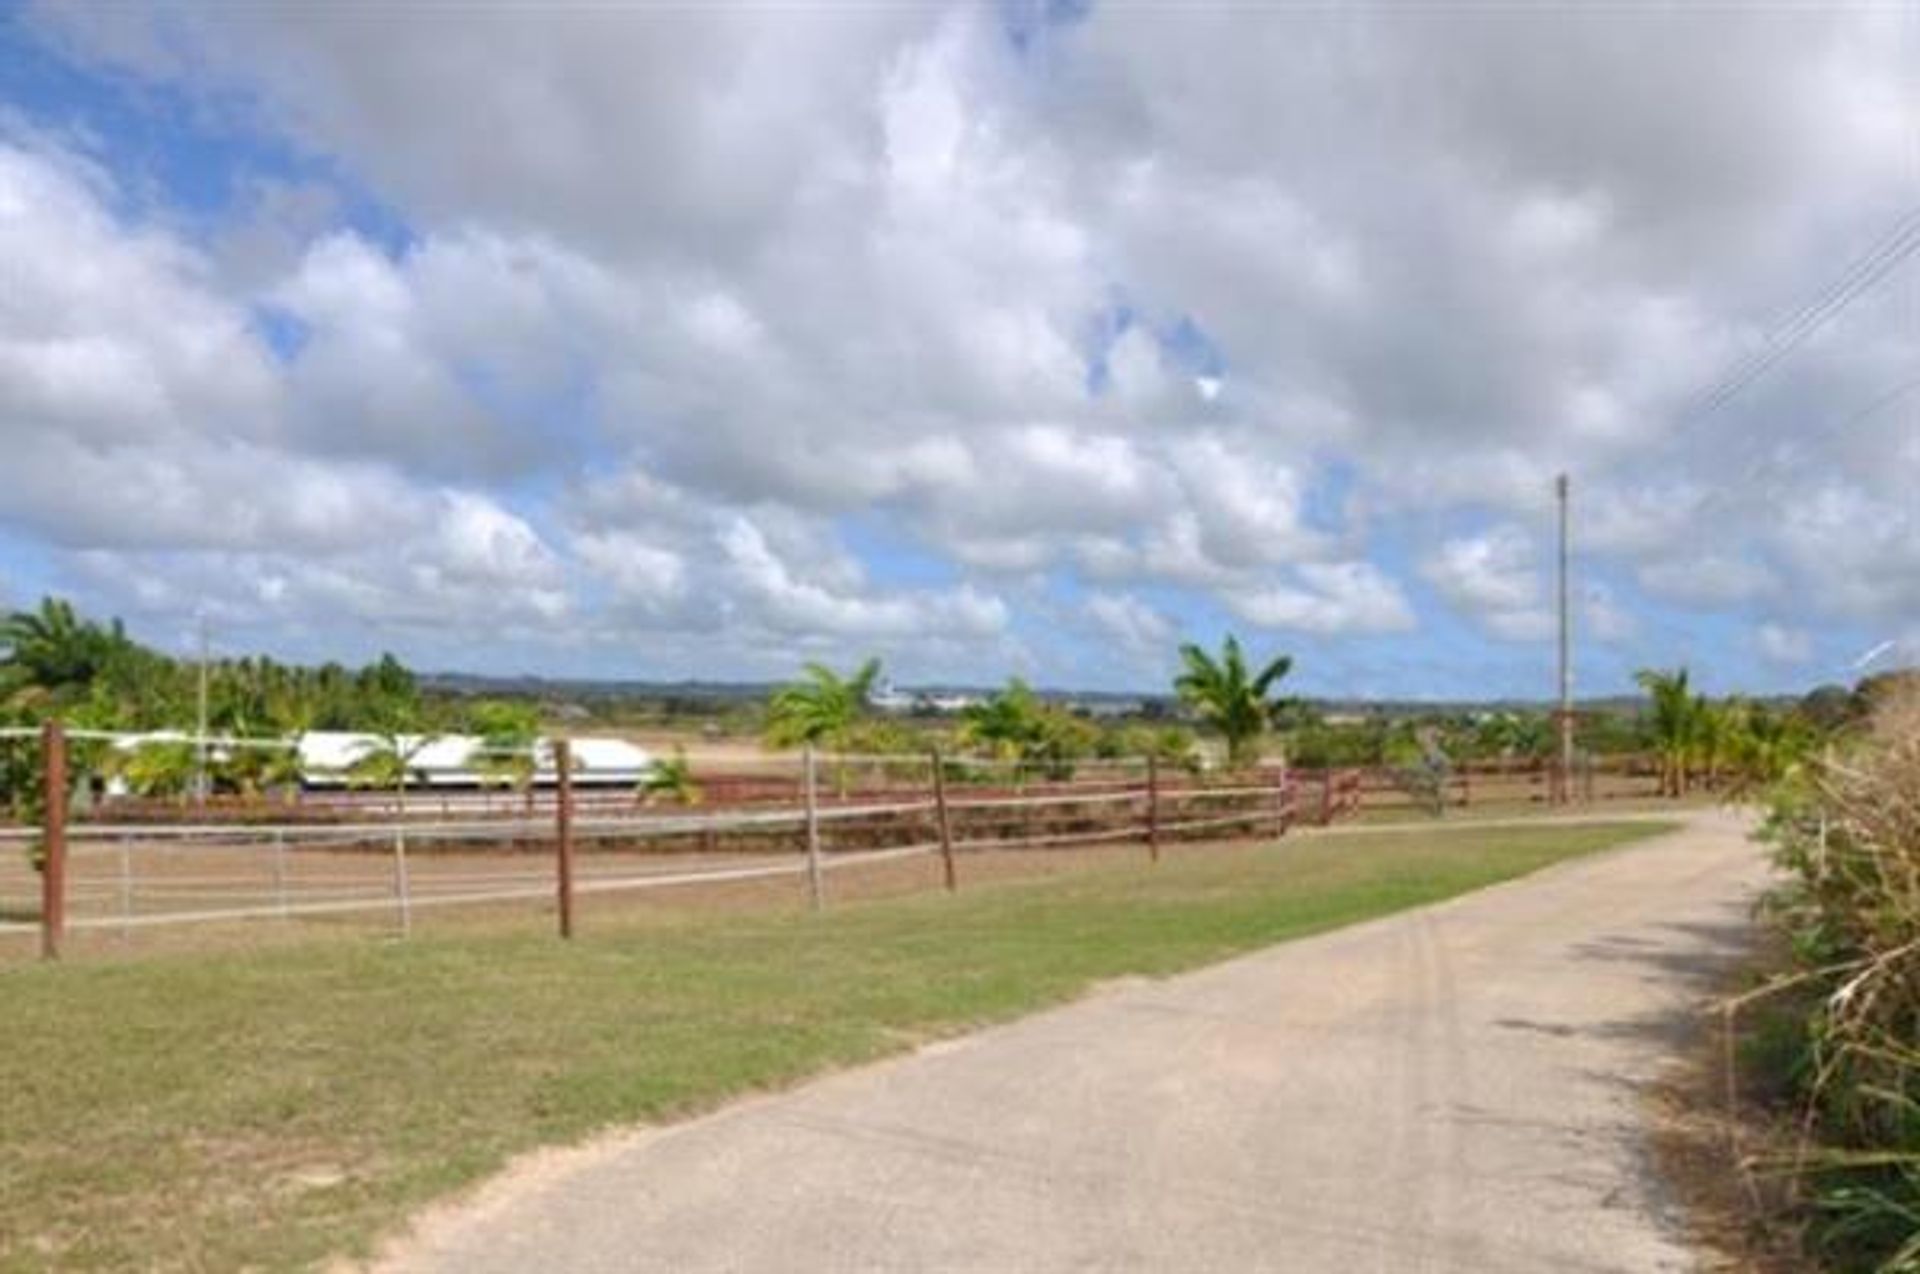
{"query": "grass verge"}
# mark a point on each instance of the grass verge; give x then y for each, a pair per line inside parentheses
(198, 1110)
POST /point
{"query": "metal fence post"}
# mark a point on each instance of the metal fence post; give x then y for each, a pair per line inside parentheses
(946, 826)
(563, 832)
(126, 890)
(815, 889)
(53, 840)
(402, 888)
(280, 872)
(1153, 808)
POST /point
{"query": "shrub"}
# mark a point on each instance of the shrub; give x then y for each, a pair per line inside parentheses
(1848, 834)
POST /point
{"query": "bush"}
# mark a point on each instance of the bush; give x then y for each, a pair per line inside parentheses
(1848, 835)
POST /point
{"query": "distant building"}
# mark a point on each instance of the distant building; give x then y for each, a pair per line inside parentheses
(456, 760)
(327, 758)
(887, 698)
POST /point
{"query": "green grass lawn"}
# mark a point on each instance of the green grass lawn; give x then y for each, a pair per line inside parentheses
(281, 1106)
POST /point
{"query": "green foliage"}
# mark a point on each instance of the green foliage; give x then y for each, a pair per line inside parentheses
(1731, 744)
(55, 662)
(162, 769)
(1846, 830)
(507, 733)
(1171, 745)
(253, 771)
(1674, 723)
(1228, 696)
(1015, 727)
(57, 653)
(1005, 724)
(821, 708)
(671, 781)
(386, 762)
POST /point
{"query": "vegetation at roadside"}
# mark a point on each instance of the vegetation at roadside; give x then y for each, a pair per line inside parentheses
(197, 1111)
(1847, 1044)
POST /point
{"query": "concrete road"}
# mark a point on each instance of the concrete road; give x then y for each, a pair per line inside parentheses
(1455, 1088)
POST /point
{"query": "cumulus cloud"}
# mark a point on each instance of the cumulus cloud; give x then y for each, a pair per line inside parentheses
(1330, 597)
(695, 305)
(1494, 579)
(1130, 621)
(1781, 644)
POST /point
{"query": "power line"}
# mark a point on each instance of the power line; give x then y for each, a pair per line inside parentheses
(1792, 332)
(1797, 446)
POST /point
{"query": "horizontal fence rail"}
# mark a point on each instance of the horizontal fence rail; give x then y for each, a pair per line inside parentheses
(138, 864)
(132, 865)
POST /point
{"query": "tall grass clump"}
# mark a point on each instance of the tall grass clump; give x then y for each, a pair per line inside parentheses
(1847, 831)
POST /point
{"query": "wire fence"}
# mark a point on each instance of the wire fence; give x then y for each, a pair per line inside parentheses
(129, 865)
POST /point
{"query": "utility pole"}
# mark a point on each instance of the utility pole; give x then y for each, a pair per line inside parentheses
(200, 734)
(1565, 715)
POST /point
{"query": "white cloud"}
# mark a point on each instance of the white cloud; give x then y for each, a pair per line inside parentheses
(1781, 644)
(1331, 598)
(107, 335)
(790, 600)
(677, 307)
(1130, 621)
(1494, 579)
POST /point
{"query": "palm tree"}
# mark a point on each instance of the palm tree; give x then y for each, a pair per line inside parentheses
(54, 649)
(1006, 724)
(158, 768)
(508, 732)
(1767, 747)
(1227, 697)
(820, 708)
(1675, 723)
(670, 780)
(1169, 745)
(385, 763)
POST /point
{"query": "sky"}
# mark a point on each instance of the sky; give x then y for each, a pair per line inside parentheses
(1027, 338)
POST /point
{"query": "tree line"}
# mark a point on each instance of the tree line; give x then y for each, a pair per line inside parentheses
(56, 662)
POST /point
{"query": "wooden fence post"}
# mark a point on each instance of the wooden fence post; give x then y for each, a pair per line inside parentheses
(53, 840)
(563, 832)
(1153, 808)
(815, 890)
(1283, 800)
(946, 826)
(1326, 796)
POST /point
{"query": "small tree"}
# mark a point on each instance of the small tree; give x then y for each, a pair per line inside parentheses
(386, 764)
(1228, 696)
(508, 732)
(161, 768)
(822, 709)
(671, 781)
(1004, 725)
(1674, 722)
